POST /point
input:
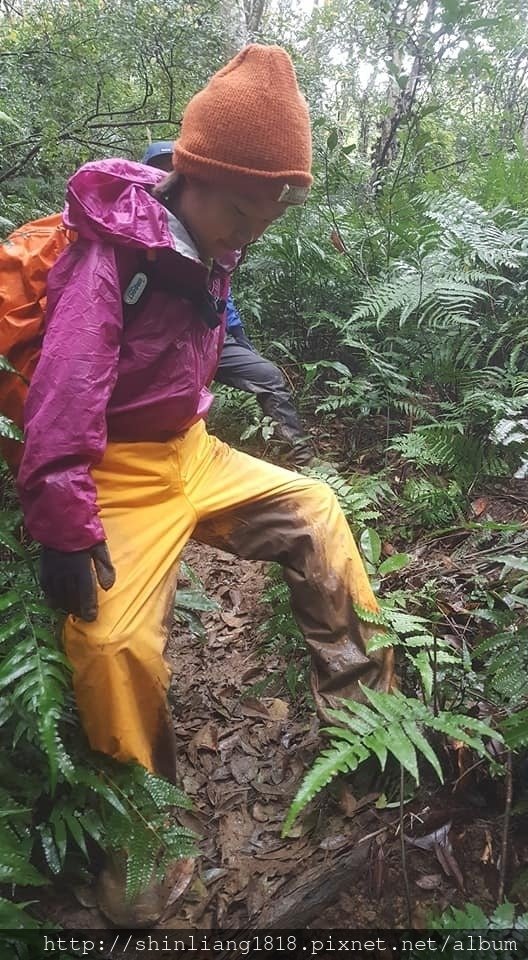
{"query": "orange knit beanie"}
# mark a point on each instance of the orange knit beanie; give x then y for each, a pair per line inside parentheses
(249, 128)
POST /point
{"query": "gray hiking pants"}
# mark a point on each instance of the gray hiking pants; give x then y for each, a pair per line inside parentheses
(242, 367)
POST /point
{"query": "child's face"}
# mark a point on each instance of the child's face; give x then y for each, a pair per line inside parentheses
(221, 220)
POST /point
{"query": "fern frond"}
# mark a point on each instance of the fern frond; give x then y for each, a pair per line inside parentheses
(13, 916)
(472, 917)
(370, 616)
(146, 859)
(392, 724)
(463, 222)
(515, 729)
(163, 793)
(139, 865)
(35, 676)
(15, 852)
(9, 430)
(506, 657)
(341, 757)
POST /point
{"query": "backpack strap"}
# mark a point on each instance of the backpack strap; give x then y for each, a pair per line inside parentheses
(147, 278)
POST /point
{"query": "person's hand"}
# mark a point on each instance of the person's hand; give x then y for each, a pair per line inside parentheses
(69, 579)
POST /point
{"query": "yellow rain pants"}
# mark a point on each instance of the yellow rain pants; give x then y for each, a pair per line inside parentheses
(153, 497)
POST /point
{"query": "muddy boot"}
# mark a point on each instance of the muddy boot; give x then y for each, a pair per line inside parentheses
(323, 467)
(294, 453)
(152, 903)
(305, 460)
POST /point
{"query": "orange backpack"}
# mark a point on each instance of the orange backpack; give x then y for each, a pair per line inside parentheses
(25, 259)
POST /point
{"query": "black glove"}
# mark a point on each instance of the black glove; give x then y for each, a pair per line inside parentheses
(68, 579)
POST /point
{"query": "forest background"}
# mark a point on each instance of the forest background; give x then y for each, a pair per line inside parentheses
(396, 303)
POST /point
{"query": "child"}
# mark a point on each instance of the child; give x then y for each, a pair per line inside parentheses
(118, 468)
(241, 366)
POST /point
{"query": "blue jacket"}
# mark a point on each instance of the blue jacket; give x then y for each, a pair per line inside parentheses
(233, 318)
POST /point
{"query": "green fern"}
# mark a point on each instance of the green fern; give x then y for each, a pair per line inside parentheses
(459, 261)
(15, 847)
(433, 504)
(427, 654)
(359, 497)
(456, 446)
(392, 724)
(9, 430)
(505, 656)
(57, 799)
(433, 300)
(191, 601)
(514, 729)
(469, 230)
(376, 617)
(34, 673)
(14, 916)
(472, 917)
(281, 632)
(142, 831)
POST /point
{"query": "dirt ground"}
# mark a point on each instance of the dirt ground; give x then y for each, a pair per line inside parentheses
(242, 758)
(242, 761)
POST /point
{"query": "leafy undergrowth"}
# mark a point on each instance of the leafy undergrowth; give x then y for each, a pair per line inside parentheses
(453, 603)
(62, 808)
(449, 566)
(246, 742)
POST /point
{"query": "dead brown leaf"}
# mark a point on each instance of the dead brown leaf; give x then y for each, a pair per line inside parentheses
(235, 597)
(206, 738)
(279, 769)
(244, 768)
(286, 789)
(378, 868)
(234, 620)
(285, 851)
(429, 881)
(229, 797)
(259, 813)
(303, 825)
(181, 874)
(197, 891)
(334, 843)
(248, 748)
(447, 861)
(347, 801)
(189, 819)
(193, 783)
(256, 895)
(251, 707)
(227, 744)
(277, 709)
(479, 506)
(252, 673)
(223, 772)
(235, 827)
(438, 837)
(487, 854)
(214, 874)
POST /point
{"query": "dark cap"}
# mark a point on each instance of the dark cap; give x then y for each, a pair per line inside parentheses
(159, 148)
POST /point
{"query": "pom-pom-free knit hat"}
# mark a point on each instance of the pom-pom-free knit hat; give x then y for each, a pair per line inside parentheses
(249, 128)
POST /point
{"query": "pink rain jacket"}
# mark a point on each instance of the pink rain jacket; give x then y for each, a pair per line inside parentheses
(111, 370)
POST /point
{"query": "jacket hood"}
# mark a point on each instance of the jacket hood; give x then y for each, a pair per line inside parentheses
(111, 200)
